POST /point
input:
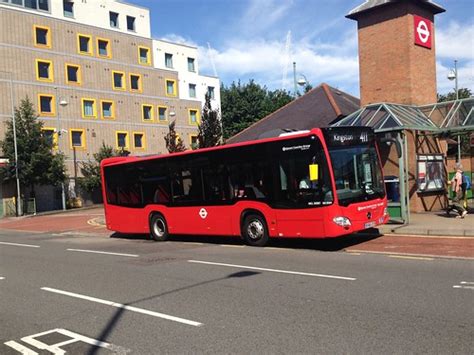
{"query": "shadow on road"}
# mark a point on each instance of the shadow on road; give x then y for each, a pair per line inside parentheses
(326, 244)
(113, 322)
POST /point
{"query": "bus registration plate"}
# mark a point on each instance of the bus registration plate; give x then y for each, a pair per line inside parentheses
(369, 225)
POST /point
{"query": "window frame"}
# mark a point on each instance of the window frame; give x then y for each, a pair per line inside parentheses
(148, 56)
(140, 82)
(134, 29)
(91, 46)
(124, 81)
(172, 64)
(194, 88)
(213, 96)
(54, 135)
(83, 145)
(48, 37)
(127, 140)
(198, 117)
(175, 89)
(191, 136)
(109, 47)
(152, 113)
(194, 64)
(50, 78)
(112, 108)
(94, 108)
(53, 105)
(79, 74)
(143, 147)
(64, 12)
(166, 114)
(118, 19)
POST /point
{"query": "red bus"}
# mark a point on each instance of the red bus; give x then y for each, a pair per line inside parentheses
(325, 182)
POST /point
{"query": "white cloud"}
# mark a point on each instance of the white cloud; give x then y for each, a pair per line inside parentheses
(175, 38)
(455, 41)
(262, 14)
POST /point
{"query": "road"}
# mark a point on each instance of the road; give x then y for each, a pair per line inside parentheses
(132, 295)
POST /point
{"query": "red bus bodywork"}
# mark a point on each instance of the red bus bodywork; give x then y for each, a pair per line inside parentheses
(227, 219)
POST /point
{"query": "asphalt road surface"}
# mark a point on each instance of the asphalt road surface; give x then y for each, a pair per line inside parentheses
(90, 295)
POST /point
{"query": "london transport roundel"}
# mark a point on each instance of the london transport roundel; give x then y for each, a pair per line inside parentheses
(423, 31)
(203, 213)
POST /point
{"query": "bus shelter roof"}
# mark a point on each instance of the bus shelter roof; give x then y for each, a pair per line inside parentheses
(385, 117)
(452, 116)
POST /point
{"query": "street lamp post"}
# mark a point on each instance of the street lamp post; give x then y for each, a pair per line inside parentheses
(301, 82)
(63, 103)
(453, 75)
(15, 147)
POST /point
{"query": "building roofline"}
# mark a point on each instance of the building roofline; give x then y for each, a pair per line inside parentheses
(133, 5)
(176, 44)
(370, 5)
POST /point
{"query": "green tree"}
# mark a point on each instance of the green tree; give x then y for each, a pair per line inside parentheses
(463, 93)
(174, 143)
(243, 105)
(91, 169)
(37, 163)
(210, 129)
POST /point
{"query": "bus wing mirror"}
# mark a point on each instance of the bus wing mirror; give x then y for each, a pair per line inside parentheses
(390, 141)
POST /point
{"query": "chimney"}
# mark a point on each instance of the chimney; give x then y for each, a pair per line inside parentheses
(397, 61)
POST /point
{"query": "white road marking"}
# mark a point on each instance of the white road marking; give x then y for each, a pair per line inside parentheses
(74, 338)
(103, 252)
(467, 283)
(2, 278)
(466, 287)
(20, 348)
(275, 270)
(119, 305)
(231, 246)
(20, 245)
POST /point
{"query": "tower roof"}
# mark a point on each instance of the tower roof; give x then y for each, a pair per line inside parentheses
(368, 5)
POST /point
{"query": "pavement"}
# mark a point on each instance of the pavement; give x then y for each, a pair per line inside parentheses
(427, 234)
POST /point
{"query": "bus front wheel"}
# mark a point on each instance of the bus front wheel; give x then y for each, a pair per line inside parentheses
(254, 230)
(158, 228)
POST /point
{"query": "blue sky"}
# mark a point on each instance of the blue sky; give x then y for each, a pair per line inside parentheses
(248, 39)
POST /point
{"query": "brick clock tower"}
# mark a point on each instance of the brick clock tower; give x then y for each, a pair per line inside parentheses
(397, 61)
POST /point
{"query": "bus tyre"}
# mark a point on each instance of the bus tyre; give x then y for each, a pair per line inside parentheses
(158, 228)
(254, 230)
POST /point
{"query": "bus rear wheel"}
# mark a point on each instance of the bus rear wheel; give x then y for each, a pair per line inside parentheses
(254, 230)
(158, 228)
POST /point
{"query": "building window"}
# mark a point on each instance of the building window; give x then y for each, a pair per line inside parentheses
(68, 8)
(193, 117)
(118, 80)
(114, 19)
(122, 140)
(84, 44)
(136, 82)
(192, 90)
(88, 108)
(210, 92)
(138, 140)
(144, 55)
(147, 113)
(191, 66)
(44, 70)
(169, 60)
(42, 5)
(103, 48)
(78, 139)
(42, 36)
(162, 113)
(107, 109)
(170, 87)
(193, 141)
(46, 105)
(73, 74)
(51, 136)
(130, 23)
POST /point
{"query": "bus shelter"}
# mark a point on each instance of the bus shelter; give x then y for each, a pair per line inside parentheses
(417, 178)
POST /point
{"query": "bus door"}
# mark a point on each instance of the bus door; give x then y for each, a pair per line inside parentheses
(200, 202)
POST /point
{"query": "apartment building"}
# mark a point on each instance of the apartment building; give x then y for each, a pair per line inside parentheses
(95, 75)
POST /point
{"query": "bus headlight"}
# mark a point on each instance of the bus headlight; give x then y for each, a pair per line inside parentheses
(342, 221)
(385, 211)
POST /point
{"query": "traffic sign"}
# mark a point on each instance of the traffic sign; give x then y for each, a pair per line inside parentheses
(423, 31)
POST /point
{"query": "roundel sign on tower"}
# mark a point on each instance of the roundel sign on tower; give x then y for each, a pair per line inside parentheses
(423, 31)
